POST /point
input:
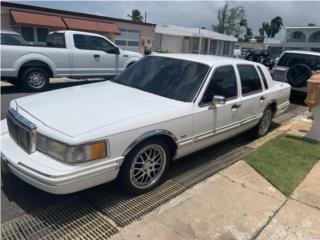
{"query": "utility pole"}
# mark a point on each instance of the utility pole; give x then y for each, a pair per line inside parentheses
(145, 16)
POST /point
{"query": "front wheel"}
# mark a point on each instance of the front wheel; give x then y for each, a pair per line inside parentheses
(145, 166)
(264, 124)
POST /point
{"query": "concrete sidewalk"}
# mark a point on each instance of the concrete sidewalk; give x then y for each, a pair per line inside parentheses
(236, 203)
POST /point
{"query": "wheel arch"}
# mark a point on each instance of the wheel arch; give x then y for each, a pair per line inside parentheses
(169, 138)
(35, 63)
(273, 105)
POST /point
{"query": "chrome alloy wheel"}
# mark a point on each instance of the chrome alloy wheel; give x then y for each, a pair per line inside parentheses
(36, 79)
(148, 166)
(265, 122)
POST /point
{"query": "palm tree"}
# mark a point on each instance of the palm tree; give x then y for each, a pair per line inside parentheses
(136, 15)
(222, 15)
(276, 25)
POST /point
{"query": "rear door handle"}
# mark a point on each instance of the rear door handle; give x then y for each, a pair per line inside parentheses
(96, 56)
(236, 106)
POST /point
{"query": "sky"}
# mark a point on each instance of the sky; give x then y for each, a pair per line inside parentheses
(196, 13)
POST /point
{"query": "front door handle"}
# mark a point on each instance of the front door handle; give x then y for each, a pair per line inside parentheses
(236, 106)
(262, 98)
(96, 56)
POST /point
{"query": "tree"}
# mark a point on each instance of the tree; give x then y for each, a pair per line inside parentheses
(222, 15)
(311, 24)
(271, 29)
(231, 21)
(136, 15)
(276, 25)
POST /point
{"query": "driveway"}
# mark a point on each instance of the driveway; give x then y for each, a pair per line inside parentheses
(19, 198)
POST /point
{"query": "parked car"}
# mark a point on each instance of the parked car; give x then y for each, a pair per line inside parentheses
(131, 127)
(296, 67)
(11, 38)
(67, 53)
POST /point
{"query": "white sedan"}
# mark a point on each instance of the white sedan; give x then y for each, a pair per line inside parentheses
(162, 108)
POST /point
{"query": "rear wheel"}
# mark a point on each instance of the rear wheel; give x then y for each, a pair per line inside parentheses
(145, 166)
(264, 124)
(35, 79)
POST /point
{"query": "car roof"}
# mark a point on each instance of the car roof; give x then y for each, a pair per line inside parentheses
(303, 52)
(205, 59)
(8, 32)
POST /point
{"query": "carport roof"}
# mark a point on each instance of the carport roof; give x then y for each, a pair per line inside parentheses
(87, 25)
(21, 17)
(193, 32)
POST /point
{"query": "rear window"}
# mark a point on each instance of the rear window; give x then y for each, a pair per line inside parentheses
(250, 81)
(289, 59)
(56, 40)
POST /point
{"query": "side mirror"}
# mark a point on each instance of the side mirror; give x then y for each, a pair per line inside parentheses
(115, 50)
(217, 101)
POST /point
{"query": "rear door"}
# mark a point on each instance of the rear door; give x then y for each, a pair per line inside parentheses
(253, 99)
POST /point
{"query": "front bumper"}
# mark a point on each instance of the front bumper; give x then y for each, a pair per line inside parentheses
(47, 174)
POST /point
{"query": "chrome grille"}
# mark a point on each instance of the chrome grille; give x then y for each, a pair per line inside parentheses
(22, 131)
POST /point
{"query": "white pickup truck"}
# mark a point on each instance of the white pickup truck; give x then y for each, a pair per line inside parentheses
(71, 54)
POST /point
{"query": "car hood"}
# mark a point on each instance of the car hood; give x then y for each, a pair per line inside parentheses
(131, 53)
(77, 110)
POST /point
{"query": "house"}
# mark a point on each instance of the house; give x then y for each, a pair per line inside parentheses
(178, 39)
(34, 23)
(294, 38)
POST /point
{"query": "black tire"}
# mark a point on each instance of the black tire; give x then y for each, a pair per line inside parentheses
(35, 79)
(130, 162)
(263, 126)
(298, 74)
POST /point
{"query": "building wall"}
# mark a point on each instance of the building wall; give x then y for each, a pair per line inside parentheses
(140, 32)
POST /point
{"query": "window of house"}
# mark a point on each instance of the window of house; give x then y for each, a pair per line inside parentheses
(226, 46)
(250, 81)
(222, 83)
(42, 34)
(28, 34)
(213, 47)
(195, 45)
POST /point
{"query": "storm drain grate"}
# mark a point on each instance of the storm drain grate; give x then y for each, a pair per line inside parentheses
(124, 209)
(72, 218)
(190, 174)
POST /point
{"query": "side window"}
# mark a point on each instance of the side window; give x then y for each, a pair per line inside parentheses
(250, 81)
(80, 41)
(263, 78)
(98, 43)
(56, 40)
(223, 83)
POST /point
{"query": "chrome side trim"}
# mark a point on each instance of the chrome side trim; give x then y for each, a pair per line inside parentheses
(147, 135)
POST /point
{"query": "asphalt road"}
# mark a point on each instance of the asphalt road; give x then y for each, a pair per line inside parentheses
(18, 197)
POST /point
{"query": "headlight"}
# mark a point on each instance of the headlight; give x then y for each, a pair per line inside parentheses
(72, 154)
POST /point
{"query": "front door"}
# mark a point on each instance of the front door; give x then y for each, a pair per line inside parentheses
(212, 125)
(91, 58)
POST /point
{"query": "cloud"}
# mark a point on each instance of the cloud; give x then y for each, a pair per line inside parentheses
(197, 13)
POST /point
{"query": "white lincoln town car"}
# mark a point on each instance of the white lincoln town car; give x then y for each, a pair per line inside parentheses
(163, 107)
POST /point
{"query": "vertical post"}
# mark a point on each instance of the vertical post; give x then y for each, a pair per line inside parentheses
(208, 50)
(145, 16)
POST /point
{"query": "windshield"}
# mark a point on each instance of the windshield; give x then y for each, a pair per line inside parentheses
(168, 77)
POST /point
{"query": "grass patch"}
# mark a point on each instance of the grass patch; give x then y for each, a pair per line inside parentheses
(284, 161)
